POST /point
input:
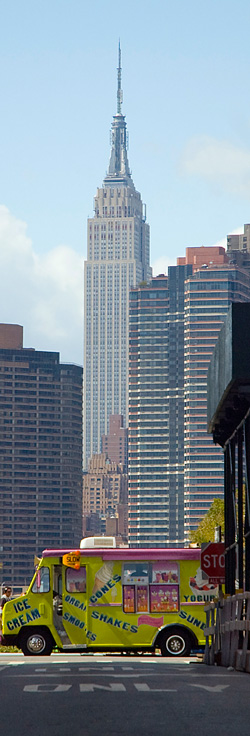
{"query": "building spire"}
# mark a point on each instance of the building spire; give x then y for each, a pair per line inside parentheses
(118, 171)
(119, 80)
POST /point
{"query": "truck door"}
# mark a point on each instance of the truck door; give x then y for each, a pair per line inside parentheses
(58, 604)
(74, 605)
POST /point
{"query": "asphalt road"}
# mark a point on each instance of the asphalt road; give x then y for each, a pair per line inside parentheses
(73, 695)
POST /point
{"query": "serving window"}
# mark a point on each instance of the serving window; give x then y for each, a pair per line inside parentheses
(76, 580)
(150, 587)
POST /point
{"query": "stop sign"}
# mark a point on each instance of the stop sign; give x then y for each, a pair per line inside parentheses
(213, 562)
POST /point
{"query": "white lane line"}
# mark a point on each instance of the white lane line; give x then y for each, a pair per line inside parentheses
(72, 674)
(100, 661)
(64, 669)
(41, 669)
(122, 675)
(59, 661)
(168, 661)
(133, 674)
(237, 673)
(99, 669)
(108, 669)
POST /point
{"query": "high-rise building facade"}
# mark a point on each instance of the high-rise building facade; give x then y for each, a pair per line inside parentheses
(148, 498)
(175, 471)
(240, 241)
(40, 455)
(238, 248)
(177, 276)
(156, 411)
(117, 259)
(208, 295)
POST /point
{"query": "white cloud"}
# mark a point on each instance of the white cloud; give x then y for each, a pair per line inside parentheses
(223, 241)
(220, 162)
(44, 292)
(161, 265)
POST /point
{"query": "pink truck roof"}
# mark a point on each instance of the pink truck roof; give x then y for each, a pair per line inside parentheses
(125, 553)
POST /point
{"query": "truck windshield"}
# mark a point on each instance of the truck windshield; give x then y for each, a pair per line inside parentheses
(41, 583)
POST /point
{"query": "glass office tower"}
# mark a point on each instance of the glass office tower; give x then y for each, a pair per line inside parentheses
(156, 411)
(208, 295)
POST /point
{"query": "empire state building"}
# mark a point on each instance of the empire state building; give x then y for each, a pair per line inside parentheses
(117, 259)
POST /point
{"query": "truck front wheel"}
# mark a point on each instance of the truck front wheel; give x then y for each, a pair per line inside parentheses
(36, 643)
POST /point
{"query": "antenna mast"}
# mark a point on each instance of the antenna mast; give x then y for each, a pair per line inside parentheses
(119, 79)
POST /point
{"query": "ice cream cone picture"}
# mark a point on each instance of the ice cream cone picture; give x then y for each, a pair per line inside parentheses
(103, 575)
(113, 594)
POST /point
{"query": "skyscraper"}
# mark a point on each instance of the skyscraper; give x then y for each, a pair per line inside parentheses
(148, 499)
(208, 295)
(175, 471)
(117, 259)
(156, 411)
(240, 242)
(40, 454)
(238, 248)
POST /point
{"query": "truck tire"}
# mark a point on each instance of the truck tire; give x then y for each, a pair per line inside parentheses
(36, 642)
(175, 642)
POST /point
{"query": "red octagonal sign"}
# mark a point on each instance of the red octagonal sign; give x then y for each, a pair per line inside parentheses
(213, 562)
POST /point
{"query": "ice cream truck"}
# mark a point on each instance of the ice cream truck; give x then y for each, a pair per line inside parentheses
(103, 598)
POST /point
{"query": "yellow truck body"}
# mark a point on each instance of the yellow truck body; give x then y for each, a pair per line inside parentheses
(116, 599)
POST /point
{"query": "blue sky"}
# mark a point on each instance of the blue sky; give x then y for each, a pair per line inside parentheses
(186, 97)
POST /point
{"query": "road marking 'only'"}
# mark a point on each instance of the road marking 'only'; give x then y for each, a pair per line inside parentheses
(113, 687)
